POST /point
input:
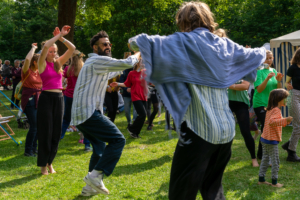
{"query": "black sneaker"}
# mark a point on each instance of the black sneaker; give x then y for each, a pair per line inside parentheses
(149, 128)
(35, 151)
(87, 149)
(29, 155)
(131, 134)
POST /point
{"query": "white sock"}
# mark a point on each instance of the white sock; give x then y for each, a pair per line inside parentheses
(95, 173)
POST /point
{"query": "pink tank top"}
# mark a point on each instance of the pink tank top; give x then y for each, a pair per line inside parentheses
(51, 79)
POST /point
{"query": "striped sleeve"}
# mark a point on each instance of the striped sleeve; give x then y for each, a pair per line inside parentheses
(276, 119)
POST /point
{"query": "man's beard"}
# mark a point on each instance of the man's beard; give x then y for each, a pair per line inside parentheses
(103, 53)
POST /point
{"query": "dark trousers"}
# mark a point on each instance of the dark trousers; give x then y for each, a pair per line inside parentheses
(140, 107)
(13, 96)
(67, 115)
(198, 166)
(242, 114)
(153, 99)
(261, 116)
(49, 123)
(31, 137)
(98, 129)
(111, 101)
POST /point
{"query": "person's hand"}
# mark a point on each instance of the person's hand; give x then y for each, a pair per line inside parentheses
(279, 76)
(14, 77)
(232, 87)
(113, 84)
(129, 90)
(270, 75)
(34, 45)
(109, 89)
(289, 119)
(65, 30)
(56, 31)
(248, 46)
(289, 86)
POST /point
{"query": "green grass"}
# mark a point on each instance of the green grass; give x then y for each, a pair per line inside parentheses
(142, 172)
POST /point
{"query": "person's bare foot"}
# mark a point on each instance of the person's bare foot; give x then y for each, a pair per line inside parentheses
(50, 167)
(44, 170)
(255, 163)
(264, 183)
(279, 185)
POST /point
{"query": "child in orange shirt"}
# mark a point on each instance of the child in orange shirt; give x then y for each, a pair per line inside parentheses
(272, 135)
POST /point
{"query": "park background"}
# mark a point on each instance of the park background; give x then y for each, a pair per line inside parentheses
(144, 168)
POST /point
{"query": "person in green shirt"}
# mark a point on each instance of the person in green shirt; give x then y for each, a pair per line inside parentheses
(239, 104)
(267, 80)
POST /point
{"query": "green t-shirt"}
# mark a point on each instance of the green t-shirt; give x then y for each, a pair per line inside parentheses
(240, 96)
(261, 99)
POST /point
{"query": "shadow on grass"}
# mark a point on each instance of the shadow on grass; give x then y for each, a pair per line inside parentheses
(19, 181)
(132, 169)
(163, 188)
(82, 197)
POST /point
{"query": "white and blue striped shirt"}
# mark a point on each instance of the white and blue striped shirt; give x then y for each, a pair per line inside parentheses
(91, 84)
(209, 115)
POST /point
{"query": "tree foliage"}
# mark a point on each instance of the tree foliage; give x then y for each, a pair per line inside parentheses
(23, 23)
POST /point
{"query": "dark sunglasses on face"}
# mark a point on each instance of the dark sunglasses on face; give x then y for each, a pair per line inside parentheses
(106, 44)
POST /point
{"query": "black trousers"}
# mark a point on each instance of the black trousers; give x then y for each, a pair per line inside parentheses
(111, 101)
(261, 116)
(49, 122)
(198, 166)
(140, 107)
(13, 96)
(154, 100)
(242, 114)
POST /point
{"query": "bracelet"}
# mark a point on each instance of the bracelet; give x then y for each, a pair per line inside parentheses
(233, 86)
(118, 84)
(64, 41)
(108, 86)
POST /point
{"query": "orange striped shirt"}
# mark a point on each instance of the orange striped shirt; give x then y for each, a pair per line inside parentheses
(273, 125)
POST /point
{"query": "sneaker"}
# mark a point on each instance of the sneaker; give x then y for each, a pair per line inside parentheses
(88, 192)
(35, 151)
(87, 149)
(96, 183)
(132, 134)
(149, 128)
(29, 154)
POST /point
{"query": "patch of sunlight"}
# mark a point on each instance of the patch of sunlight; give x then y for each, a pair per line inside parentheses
(232, 195)
(236, 165)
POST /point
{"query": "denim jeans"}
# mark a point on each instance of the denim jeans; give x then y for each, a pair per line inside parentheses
(98, 129)
(67, 115)
(31, 138)
(127, 108)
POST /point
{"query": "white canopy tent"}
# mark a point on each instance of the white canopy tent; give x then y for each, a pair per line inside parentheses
(283, 49)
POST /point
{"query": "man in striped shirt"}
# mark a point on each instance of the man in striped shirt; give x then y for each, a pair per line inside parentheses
(87, 111)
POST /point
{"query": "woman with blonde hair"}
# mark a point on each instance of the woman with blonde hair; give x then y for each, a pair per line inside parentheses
(197, 66)
(32, 85)
(71, 73)
(51, 102)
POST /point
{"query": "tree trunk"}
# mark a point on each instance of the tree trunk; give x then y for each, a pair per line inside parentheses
(66, 16)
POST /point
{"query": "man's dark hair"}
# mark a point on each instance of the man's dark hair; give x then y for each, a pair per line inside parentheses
(95, 38)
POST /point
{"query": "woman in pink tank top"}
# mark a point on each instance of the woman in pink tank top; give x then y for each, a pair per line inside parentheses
(51, 101)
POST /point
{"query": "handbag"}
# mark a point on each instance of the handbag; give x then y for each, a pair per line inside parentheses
(19, 88)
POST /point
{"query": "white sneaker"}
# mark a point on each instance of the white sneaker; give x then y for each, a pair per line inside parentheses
(88, 192)
(96, 183)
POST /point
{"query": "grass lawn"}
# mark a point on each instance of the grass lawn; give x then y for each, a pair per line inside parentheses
(142, 172)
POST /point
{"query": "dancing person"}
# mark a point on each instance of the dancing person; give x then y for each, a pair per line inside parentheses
(267, 80)
(138, 97)
(87, 111)
(16, 77)
(239, 104)
(112, 99)
(197, 66)
(293, 74)
(71, 74)
(32, 84)
(272, 135)
(127, 95)
(51, 101)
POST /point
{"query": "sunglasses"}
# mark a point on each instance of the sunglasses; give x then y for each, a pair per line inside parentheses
(106, 44)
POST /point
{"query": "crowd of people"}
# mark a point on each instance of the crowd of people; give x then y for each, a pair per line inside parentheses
(199, 75)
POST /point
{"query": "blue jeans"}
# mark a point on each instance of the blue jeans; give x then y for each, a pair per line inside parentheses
(31, 138)
(127, 108)
(98, 129)
(67, 115)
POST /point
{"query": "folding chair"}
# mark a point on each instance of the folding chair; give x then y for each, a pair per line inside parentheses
(5, 120)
